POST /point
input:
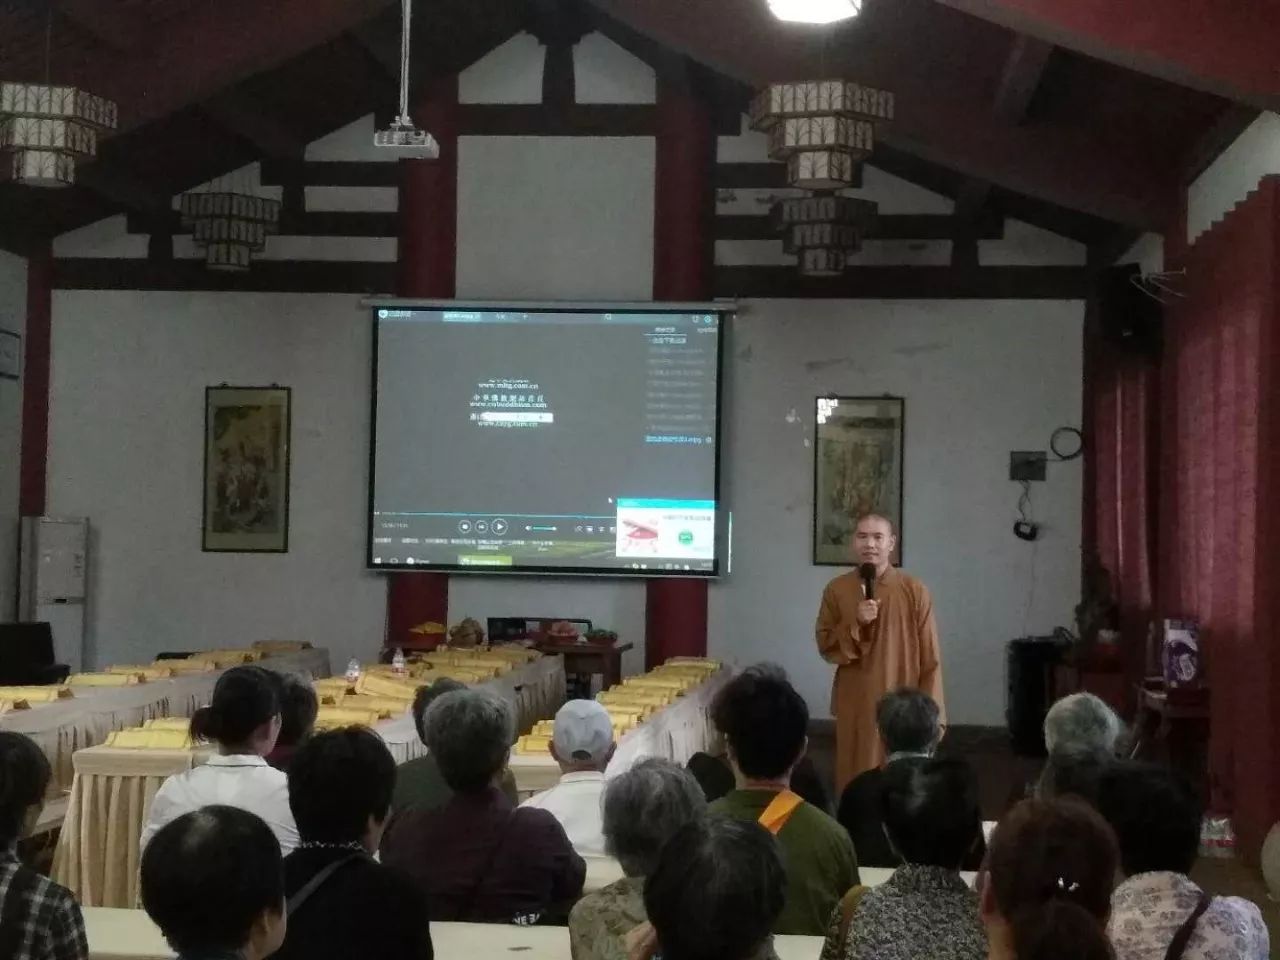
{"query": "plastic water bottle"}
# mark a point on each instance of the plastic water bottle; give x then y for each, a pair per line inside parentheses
(398, 663)
(353, 670)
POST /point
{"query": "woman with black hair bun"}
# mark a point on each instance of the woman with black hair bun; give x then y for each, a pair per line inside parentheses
(243, 721)
(1047, 896)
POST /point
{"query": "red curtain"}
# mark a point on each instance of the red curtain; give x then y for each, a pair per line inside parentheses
(1219, 542)
(1122, 393)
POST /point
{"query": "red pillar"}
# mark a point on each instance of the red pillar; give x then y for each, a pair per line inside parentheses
(427, 268)
(34, 456)
(676, 608)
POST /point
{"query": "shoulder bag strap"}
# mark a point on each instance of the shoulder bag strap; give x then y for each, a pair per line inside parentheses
(1178, 946)
(316, 882)
(779, 811)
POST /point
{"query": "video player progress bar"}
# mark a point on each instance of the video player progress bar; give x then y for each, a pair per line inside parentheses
(496, 513)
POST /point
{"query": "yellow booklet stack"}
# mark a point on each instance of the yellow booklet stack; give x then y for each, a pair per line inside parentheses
(152, 672)
(104, 680)
(271, 648)
(329, 718)
(226, 658)
(35, 694)
(149, 738)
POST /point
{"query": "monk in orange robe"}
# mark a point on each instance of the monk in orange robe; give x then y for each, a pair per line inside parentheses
(877, 645)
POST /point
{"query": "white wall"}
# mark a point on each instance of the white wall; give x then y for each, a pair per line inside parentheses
(980, 378)
(13, 319)
(1231, 177)
(126, 450)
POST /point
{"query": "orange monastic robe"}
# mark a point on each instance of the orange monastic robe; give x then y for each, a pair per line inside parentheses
(900, 649)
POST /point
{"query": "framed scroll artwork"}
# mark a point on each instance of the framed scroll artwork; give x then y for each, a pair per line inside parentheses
(857, 469)
(246, 469)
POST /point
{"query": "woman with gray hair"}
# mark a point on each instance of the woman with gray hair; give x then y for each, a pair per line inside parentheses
(479, 857)
(1082, 721)
(643, 809)
(1081, 734)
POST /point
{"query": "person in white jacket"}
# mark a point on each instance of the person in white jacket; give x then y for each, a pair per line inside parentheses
(244, 721)
(583, 745)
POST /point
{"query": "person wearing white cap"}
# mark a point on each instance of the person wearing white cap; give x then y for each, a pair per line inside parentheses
(583, 746)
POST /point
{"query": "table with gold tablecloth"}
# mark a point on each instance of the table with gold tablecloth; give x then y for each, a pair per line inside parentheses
(676, 732)
(62, 727)
(97, 855)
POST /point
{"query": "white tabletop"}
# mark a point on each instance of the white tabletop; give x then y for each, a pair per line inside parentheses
(130, 935)
(602, 871)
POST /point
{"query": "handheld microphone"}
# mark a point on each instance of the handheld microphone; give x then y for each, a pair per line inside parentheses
(868, 573)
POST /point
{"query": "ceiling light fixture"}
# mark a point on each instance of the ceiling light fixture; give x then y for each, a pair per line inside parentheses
(231, 227)
(822, 129)
(814, 11)
(823, 232)
(46, 129)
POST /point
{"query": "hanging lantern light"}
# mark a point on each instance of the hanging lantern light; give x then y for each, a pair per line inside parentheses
(45, 130)
(231, 227)
(824, 231)
(823, 129)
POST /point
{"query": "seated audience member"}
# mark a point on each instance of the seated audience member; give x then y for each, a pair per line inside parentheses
(930, 813)
(715, 893)
(1082, 721)
(1080, 734)
(418, 782)
(582, 743)
(342, 902)
(479, 857)
(908, 721)
(1157, 823)
(298, 708)
(1073, 772)
(244, 721)
(39, 920)
(643, 809)
(212, 882)
(763, 720)
(1047, 894)
(715, 776)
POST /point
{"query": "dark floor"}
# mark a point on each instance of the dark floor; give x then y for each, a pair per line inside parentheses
(1003, 776)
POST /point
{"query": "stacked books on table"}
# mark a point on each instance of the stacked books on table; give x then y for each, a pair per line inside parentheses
(34, 695)
(381, 692)
(165, 733)
(160, 670)
(633, 701)
(108, 679)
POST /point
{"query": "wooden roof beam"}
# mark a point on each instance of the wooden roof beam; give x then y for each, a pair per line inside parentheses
(235, 114)
(216, 46)
(123, 190)
(1023, 71)
(105, 23)
(1222, 48)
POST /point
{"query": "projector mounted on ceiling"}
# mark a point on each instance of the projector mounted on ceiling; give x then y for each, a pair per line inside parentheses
(814, 11)
(403, 135)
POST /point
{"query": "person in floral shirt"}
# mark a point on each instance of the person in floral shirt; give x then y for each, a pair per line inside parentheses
(1157, 822)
